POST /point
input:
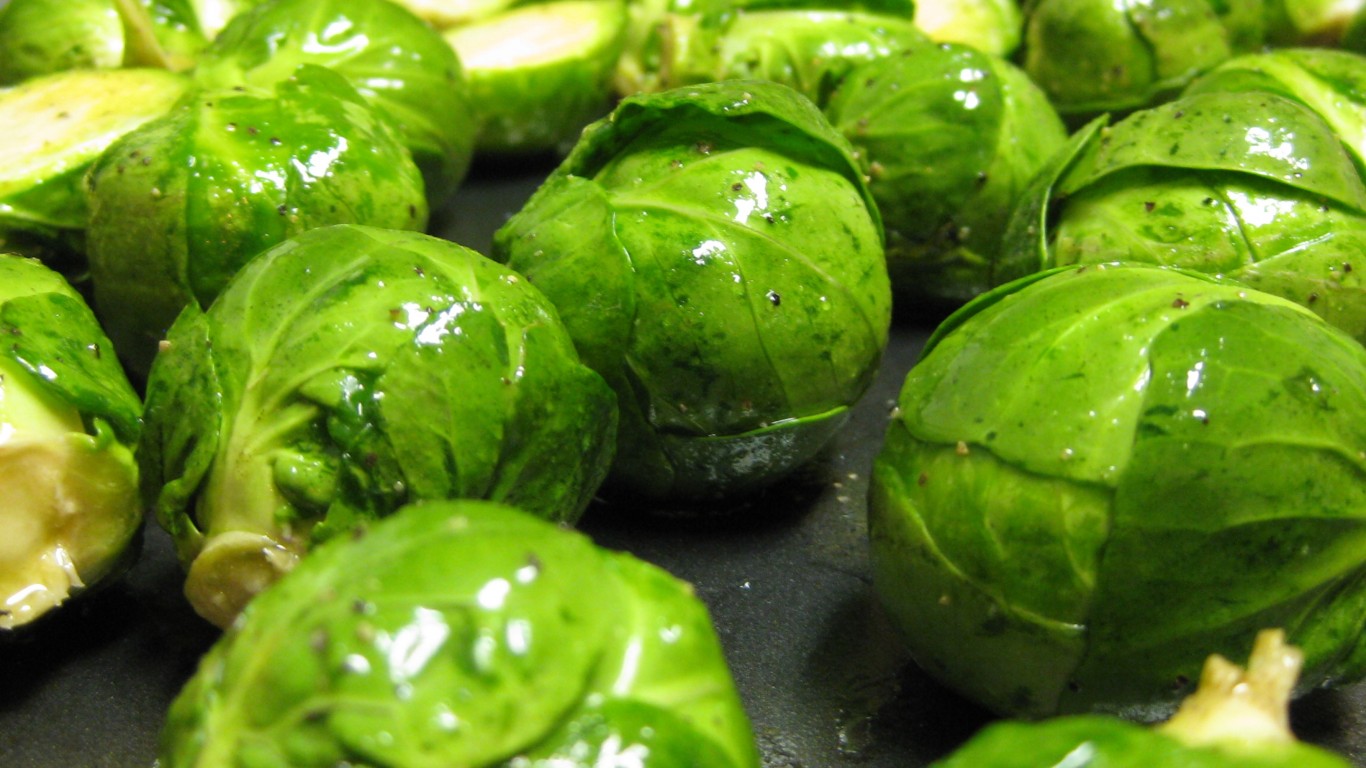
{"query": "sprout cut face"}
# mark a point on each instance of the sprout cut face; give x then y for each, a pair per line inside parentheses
(68, 422)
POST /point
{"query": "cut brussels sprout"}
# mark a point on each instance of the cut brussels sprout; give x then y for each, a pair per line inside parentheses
(1092, 56)
(808, 50)
(68, 424)
(717, 258)
(344, 373)
(1247, 185)
(214, 15)
(1311, 22)
(390, 56)
(539, 73)
(55, 128)
(1330, 82)
(178, 205)
(1236, 719)
(444, 14)
(1096, 475)
(990, 26)
(950, 137)
(461, 634)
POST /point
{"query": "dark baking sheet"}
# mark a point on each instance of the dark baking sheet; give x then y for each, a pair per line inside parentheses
(786, 578)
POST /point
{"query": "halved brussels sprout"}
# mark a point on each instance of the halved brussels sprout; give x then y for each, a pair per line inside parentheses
(990, 26)
(539, 73)
(717, 258)
(1311, 22)
(1236, 718)
(465, 634)
(178, 205)
(68, 424)
(1247, 185)
(445, 14)
(950, 137)
(1097, 475)
(344, 373)
(394, 59)
(1093, 56)
(55, 128)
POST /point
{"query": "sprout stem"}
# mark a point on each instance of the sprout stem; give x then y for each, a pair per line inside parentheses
(1232, 705)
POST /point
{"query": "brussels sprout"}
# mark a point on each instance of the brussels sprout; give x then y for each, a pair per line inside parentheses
(1096, 471)
(1092, 56)
(178, 205)
(1330, 82)
(1310, 22)
(68, 423)
(717, 258)
(393, 58)
(808, 50)
(445, 14)
(55, 128)
(540, 73)
(40, 37)
(348, 371)
(950, 137)
(990, 26)
(460, 633)
(1236, 719)
(1250, 186)
(214, 15)
(666, 34)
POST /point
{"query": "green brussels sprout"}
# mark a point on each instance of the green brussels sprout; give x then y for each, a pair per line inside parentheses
(1097, 475)
(950, 137)
(68, 424)
(390, 56)
(445, 14)
(1311, 22)
(810, 51)
(460, 633)
(348, 371)
(1236, 719)
(214, 15)
(1247, 185)
(1330, 82)
(1093, 56)
(990, 26)
(540, 73)
(716, 257)
(666, 34)
(55, 127)
(40, 37)
(178, 205)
